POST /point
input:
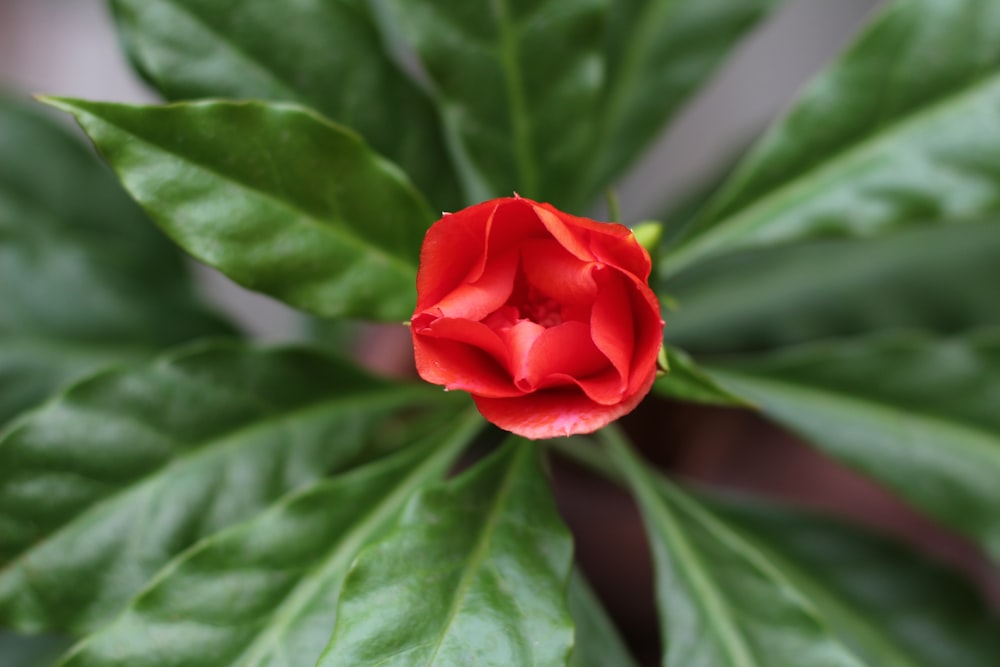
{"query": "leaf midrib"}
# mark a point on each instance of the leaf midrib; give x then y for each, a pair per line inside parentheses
(694, 248)
(216, 446)
(338, 230)
(516, 102)
(479, 551)
(831, 604)
(347, 547)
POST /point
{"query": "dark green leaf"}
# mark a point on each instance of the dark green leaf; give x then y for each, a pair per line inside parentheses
(915, 412)
(286, 567)
(275, 197)
(474, 574)
(894, 607)
(935, 278)
(597, 642)
(659, 53)
(85, 278)
(901, 130)
(18, 651)
(326, 54)
(721, 602)
(518, 84)
(102, 486)
(686, 382)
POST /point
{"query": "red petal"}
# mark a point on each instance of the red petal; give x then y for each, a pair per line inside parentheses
(474, 301)
(454, 250)
(612, 323)
(558, 274)
(566, 355)
(555, 413)
(606, 242)
(460, 354)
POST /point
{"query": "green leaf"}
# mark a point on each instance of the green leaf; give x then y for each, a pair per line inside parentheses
(660, 52)
(934, 278)
(901, 130)
(274, 196)
(915, 412)
(326, 54)
(597, 643)
(287, 566)
(896, 608)
(105, 484)
(85, 279)
(30, 651)
(518, 85)
(721, 602)
(475, 573)
(686, 382)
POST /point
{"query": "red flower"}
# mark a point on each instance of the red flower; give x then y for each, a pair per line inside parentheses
(545, 318)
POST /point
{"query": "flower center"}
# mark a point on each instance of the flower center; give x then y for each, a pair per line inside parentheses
(540, 309)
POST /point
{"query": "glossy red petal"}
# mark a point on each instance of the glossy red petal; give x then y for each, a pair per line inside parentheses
(476, 300)
(555, 413)
(453, 250)
(612, 322)
(461, 354)
(557, 273)
(606, 242)
(565, 355)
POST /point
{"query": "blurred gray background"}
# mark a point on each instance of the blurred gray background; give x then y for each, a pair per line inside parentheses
(68, 47)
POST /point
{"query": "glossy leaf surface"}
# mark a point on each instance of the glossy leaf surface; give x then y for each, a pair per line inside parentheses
(518, 85)
(597, 642)
(896, 608)
(936, 278)
(721, 602)
(102, 486)
(275, 197)
(85, 278)
(325, 54)
(287, 566)
(659, 53)
(899, 131)
(917, 413)
(474, 574)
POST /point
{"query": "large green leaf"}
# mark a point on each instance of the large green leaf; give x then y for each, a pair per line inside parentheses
(935, 278)
(894, 607)
(721, 602)
(901, 130)
(286, 567)
(326, 54)
(18, 651)
(274, 196)
(518, 84)
(659, 53)
(102, 486)
(597, 642)
(85, 278)
(474, 574)
(915, 412)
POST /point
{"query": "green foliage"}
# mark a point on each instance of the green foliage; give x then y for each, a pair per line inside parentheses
(226, 504)
(288, 565)
(722, 604)
(84, 279)
(104, 485)
(918, 413)
(303, 211)
(900, 131)
(492, 542)
(190, 49)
